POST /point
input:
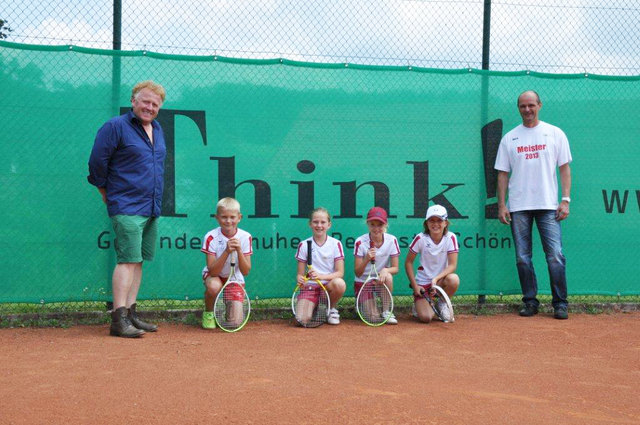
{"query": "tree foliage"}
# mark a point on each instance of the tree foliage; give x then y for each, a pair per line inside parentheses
(5, 29)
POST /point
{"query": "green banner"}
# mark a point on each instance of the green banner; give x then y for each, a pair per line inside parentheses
(283, 137)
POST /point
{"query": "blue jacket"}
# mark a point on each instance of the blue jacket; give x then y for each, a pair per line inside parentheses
(124, 161)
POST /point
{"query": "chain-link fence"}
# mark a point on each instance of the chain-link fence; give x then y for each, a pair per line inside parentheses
(378, 108)
(573, 36)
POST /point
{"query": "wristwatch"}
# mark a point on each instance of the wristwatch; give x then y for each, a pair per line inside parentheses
(566, 198)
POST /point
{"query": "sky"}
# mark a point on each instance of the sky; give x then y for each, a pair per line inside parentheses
(560, 36)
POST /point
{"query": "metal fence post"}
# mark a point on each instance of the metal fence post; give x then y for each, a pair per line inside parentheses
(486, 44)
(115, 82)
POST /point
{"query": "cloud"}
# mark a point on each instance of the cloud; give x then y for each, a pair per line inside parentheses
(545, 35)
(54, 32)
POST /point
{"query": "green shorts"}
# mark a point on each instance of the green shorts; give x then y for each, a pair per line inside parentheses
(135, 237)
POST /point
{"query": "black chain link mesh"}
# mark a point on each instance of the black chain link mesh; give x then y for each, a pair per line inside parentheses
(594, 36)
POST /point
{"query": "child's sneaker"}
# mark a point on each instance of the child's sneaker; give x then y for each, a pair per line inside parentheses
(334, 317)
(390, 318)
(414, 313)
(208, 321)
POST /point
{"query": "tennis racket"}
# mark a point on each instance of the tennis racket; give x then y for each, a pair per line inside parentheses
(232, 307)
(440, 303)
(310, 301)
(374, 303)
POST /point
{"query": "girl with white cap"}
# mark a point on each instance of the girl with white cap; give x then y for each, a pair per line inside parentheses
(438, 251)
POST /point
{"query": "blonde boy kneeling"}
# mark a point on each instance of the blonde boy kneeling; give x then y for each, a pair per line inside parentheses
(218, 245)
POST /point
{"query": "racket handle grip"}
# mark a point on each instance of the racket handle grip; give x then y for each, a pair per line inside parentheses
(309, 252)
(373, 260)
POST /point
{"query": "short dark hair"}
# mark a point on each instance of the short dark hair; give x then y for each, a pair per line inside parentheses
(530, 91)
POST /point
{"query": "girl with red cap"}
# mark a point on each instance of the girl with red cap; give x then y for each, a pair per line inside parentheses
(380, 246)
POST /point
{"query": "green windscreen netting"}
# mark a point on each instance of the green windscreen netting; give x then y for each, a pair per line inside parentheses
(284, 137)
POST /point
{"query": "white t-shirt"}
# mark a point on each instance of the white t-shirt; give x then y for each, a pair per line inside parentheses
(215, 243)
(532, 155)
(388, 249)
(433, 257)
(323, 257)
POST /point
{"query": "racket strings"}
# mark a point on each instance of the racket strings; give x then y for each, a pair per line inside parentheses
(232, 309)
(311, 306)
(437, 307)
(442, 307)
(374, 302)
(321, 310)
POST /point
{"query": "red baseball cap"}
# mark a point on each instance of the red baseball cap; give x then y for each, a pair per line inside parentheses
(377, 213)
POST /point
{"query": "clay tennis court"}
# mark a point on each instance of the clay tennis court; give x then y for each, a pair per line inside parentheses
(500, 369)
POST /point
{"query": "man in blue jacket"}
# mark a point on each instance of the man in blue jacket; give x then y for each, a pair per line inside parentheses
(127, 167)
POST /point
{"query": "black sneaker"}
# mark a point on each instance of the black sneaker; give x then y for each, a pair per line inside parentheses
(561, 312)
(528, 310)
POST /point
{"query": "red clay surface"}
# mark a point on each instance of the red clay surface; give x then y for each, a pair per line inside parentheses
(500, 369)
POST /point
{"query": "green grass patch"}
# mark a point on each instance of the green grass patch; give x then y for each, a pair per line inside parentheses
(65, 314)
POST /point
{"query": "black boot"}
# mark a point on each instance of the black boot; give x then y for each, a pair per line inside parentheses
(121, 326)
(135, 321)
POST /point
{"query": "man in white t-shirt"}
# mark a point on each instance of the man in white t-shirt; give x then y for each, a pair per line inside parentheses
(527, 159)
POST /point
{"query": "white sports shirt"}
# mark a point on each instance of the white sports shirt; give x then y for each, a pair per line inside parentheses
(323, 257)
(532, 155)
(388, 249)
(433, 257)
(215, 242)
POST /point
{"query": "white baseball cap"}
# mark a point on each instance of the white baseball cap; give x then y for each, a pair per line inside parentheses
(437, 211)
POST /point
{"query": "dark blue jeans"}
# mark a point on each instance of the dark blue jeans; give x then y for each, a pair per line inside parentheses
(551, 237)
